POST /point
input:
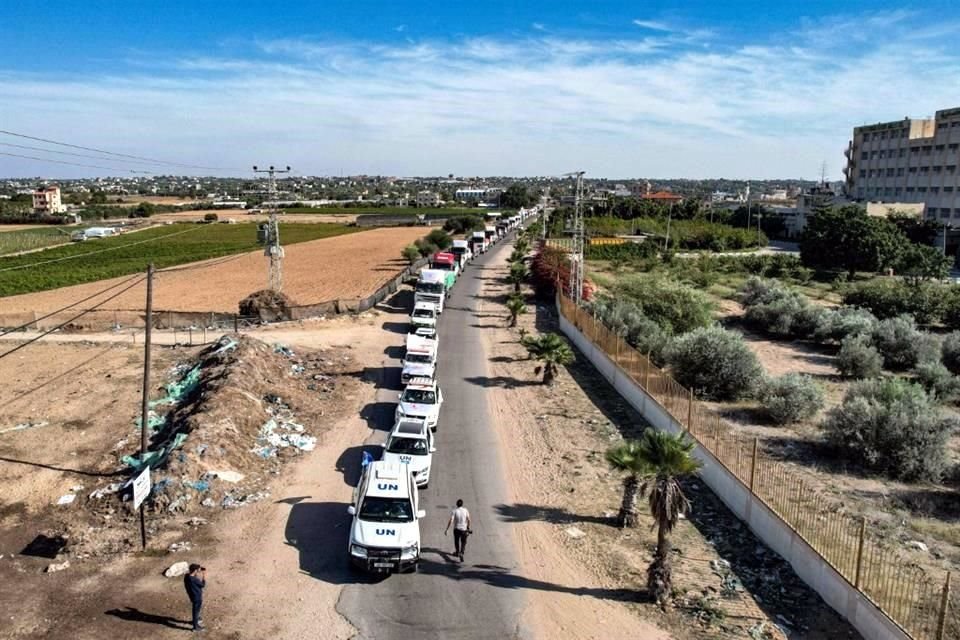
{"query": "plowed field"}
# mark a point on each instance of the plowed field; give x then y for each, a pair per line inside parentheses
(348, 266)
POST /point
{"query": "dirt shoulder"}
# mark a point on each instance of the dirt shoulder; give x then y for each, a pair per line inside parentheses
(565, 498)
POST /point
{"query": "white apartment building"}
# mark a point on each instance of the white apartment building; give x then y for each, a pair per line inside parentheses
(428, 199)
(909, 160)
(471, 195)
(47, 200)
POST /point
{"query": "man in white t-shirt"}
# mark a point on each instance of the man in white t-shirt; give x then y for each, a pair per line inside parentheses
(462, 525)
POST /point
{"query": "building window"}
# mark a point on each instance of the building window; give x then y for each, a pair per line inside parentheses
(948, 189)
(910, 189)
(934, 189)
(936, 169)
(951, 168)
(922, 189)
(942, 125)
(860, 192)
(954, 146)
(863, 173)
(955, 124)
(900, 171)
(873, 154)
(924, 170)
(912, 169)
(887, 191)
(898, 191)
(914, 150)
(903, 152)
(864, 155)
(940, 147)
(927, 149)
(944, 213)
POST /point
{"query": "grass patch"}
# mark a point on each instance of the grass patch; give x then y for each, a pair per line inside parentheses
(165, 246)
(29, 239)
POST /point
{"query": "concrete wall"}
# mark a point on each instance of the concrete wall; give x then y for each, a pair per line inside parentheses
(872, 623)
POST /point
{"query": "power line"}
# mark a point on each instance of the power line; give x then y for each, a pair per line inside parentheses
(93, 253)
(44, 317)
(64, 153)
(75, 164)
(65, 323)
(118, 155)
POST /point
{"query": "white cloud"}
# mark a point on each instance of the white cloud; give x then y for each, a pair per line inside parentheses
(654, 106)
(653, 25)
(537, 26)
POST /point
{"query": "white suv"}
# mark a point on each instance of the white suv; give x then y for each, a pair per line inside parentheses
(421, 398)
(385, 533)
(424, 315)
(411, 443)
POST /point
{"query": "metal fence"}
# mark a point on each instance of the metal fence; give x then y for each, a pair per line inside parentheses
(921, 603)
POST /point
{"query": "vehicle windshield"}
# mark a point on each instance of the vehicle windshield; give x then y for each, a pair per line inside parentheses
(419, 396)
(423, 313)
(419, 358)
(412, 446)
(430, 287)
(386, 510)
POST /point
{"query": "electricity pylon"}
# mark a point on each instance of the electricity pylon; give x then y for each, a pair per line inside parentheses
(272, 249)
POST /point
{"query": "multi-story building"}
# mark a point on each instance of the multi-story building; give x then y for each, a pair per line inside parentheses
(428, 199)
(47, 200)
(910, 161)
(471, 194)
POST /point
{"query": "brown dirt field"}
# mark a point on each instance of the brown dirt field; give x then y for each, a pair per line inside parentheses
(244, 215)
(348, 266)
(20, 227)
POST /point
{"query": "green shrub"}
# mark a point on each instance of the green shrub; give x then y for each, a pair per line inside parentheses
(463, 224)
(676, 308)
(901, 345)
(888, 298)
(951, 307)
(790, 398)
(938, 381)
(627, 319)
(951, 352)
(714, 362)
(776, 310)
(410, 253)
(210, 217)
(700, 234)
(894, 427)
(858, 358)
(758, 290)
(842, 322)
(624, 251)
(425, 247)
(440, 238)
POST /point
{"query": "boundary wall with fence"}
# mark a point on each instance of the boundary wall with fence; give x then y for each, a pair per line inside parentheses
(882, 594)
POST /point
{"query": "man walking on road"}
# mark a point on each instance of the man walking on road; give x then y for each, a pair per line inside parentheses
(462, 525)
(194, 582)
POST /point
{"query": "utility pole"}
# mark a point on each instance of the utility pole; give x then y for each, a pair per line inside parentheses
(576, 262)
(145, 398)
(666, 239)
(273, 250)
(748, 204)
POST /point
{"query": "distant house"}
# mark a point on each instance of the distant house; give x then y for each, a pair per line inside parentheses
(47, 200)
(665, 197)
(428, 199)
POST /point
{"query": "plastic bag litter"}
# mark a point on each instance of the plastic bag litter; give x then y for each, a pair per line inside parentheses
(177, 391)
(199, 485)
(153, 459)
(106, 491)
(67, 498)
(283, 350)
(225, 344)
(25, 425)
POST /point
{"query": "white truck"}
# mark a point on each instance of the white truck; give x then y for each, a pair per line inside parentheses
(478, 242)
(420, 360)
(93, 233)
(424, 315)
(385, 532)
(422, 399)
(431, 287)
(461, 249)
(410, 443)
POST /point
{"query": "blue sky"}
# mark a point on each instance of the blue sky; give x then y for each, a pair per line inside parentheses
(620, 89)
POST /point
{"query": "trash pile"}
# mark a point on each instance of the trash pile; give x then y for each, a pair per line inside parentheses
(223, 427)
(267, 305)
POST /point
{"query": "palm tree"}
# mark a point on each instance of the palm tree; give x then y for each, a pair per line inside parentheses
(521, 245)
(552, 350)
(624, 457)
(516, 306)
(661, 460)
(518, 273)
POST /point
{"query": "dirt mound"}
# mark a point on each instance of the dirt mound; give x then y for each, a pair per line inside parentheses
(268, 305)
(227, 424)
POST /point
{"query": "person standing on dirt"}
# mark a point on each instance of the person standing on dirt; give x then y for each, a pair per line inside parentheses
(194, 582)
(462, 525)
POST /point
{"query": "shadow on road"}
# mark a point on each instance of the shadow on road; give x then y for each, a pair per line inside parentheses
(379, 415)
(135, 615)
(319, 531)
(505, 382)
(348, 464)
(502, 578)
(395, 327)
(526, 512)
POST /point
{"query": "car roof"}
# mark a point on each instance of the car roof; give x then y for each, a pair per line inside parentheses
(387, 480)
(421, 383)
(410, 427)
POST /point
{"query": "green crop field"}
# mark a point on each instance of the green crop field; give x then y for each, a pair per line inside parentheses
(165, 246)
(392, 211)
(37, 238)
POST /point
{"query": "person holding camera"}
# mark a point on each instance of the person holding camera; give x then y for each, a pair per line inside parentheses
(462, 527)
(194, 582)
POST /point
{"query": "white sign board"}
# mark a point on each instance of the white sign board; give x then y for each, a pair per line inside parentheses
(141, 488)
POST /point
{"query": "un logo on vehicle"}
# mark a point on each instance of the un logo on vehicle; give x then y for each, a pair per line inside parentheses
(386, 532)
(383, 486)
(406, 459)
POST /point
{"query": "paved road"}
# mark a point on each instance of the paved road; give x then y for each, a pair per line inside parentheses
(480, 598)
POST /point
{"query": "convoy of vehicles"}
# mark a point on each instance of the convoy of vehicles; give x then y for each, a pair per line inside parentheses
(385, 533)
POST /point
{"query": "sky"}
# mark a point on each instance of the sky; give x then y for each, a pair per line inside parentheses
(619, 89)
